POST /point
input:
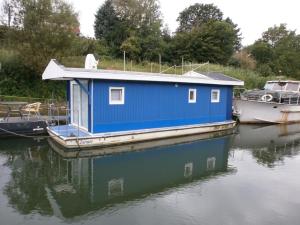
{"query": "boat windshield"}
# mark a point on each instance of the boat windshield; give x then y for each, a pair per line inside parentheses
(282, 86)
(292, 87)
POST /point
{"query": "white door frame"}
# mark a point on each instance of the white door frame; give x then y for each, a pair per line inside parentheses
(79, 108)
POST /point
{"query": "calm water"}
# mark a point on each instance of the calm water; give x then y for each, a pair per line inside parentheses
(249, 177)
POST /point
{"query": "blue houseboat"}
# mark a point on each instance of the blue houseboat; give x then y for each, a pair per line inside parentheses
(110, 107)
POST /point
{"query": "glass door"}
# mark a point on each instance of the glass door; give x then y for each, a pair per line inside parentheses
(79, 107)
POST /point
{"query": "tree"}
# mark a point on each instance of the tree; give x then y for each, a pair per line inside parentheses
(131, 25)
(197, 15)
(274, 34)
(43, 29)
(203, 35)
(278, 51)
(262, 51)
(109, 27)
(132, 47)
(214, 42)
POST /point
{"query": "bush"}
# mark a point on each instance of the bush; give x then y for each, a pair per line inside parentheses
(265, 70)
(18, 79)
(244, 60)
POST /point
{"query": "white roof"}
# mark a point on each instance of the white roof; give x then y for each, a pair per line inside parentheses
(283, 81)
(55, 71)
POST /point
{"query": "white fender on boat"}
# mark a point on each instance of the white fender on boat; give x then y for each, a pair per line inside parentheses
(266, 98)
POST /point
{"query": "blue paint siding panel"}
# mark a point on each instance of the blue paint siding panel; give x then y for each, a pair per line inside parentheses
(154, 105)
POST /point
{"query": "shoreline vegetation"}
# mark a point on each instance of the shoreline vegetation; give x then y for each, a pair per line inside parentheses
(33, 32)
(29, 84)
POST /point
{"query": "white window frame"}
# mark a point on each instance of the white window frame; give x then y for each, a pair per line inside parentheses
(188, 169)
(117, 184)
(211, 163)
(114, 102)
(211, 96)
(195, 95)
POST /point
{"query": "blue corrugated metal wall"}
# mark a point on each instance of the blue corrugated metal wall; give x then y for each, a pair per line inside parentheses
(153, 105)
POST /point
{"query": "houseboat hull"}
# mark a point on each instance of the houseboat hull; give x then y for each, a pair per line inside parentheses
(120, 138)
(251, 111)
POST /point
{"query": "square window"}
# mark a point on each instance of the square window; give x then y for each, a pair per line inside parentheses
(215, 95)
(116, 95)
(188, 169)
(211, 163)
(115, 187)
(192, 95)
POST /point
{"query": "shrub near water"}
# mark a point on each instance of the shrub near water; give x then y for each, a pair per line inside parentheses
(20, 80)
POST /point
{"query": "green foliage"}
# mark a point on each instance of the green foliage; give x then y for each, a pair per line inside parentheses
(213, 42)
(264, 70)
(262, 51)
(18, 79)
(109, 27)
(82, 46)
(43, 29)
(132, 47)
(252, 78)
(197, 15)
(278, 52)
(132, 26)
(203, 36)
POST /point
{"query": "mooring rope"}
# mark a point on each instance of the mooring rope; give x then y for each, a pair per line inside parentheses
(40, 136)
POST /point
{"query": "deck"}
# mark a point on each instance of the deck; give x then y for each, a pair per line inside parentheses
(66, 131)
(70, 136)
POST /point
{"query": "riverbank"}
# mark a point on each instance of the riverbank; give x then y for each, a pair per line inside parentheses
(16, 79)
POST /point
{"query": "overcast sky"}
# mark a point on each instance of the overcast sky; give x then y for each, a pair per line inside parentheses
(252, 16)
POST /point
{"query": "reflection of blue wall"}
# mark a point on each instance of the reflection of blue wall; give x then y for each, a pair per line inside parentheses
(143, 173)
(152, 170)
(149, 105)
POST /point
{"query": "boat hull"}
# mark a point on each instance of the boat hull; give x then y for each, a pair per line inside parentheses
(23, 128)
(266, 112)
(102, 140)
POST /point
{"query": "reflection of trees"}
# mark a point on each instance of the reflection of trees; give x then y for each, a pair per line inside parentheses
(274, 155)
(25, 190)
(43, 182)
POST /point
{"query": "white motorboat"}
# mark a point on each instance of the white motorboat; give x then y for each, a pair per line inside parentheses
(277, 102)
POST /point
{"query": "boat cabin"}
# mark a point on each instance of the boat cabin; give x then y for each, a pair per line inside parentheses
(106, 102)
(288, 86)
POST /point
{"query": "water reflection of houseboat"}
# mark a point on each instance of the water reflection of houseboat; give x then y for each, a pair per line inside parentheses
(91, 183)
(111, 179)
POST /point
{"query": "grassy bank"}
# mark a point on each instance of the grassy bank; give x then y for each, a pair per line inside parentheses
(16, 79)
(252, 79)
